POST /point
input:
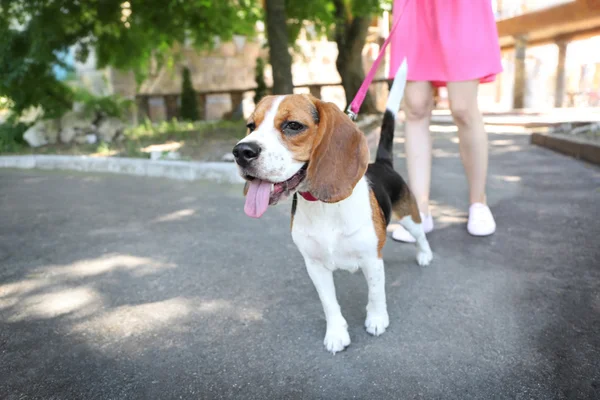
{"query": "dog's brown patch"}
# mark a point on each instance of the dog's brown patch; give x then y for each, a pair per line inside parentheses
(335, 148)
(378, 222)
(260, 111)
(300, 109)
(339, 156)
(407, 205)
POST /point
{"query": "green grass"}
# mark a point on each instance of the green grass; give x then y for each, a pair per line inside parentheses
(181, 130)
(195, 139)
(191, 134)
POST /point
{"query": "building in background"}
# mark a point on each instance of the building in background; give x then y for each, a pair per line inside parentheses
(549, 53)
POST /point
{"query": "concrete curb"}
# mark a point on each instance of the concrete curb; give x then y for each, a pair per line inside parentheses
(574, 147)
(221, 172)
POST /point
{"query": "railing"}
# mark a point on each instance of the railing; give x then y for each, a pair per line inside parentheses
(170, 101)
(584, 98)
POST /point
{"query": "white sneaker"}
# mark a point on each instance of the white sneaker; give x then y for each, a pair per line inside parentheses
(402, 235)
(481, 221)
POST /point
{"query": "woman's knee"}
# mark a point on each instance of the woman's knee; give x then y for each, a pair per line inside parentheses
(463, 102)
(418, 107)
(418, 101)
(464, 114)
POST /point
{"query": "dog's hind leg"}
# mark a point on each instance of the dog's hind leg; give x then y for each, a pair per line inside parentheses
(424, 254)
(377, 316)
(406, 209)
(336, 337)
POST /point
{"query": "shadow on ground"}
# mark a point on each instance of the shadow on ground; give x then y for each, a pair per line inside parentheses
(121, 287)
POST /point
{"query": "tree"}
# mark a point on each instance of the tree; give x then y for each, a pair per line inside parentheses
(279, 55)
(347, 22)
(123, 34)
(189, 103)
(351, 36)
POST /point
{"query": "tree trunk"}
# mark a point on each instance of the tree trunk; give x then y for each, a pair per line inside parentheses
(351, 36)
(279, 55)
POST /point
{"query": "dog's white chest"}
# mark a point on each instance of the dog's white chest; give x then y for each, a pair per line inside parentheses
(340, 235)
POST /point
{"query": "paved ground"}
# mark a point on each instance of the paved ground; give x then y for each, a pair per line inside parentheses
(136, 288)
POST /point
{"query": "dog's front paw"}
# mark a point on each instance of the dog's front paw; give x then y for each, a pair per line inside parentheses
(424, 257)
(377, 322)
(336, 339)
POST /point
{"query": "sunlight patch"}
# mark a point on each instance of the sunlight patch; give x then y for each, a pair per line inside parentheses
(225, 307)
(508, 178)
(171, 146)
(133, 320)
(502, 142)
(443, 128)
(441, 153)
(18, 288)
(507, 129)
(142, 266)
(177, 215)
(443, 214)
(55, 304)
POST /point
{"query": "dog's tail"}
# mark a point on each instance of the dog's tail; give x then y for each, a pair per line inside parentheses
(386, 139)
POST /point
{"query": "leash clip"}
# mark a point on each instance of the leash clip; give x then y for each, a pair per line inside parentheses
(351, 113)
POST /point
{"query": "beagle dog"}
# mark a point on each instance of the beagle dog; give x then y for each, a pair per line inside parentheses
(301, 146)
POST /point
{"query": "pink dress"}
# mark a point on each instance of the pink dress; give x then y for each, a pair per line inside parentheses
(446, 41)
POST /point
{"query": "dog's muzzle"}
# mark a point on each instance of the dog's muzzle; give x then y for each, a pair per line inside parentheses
(245, 153)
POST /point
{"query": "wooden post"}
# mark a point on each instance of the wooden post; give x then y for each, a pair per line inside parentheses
(520, 72)
(236, 99)
(143, 106)
(315, 90)
(559, 94)
(237, 109)
(201, 100)
(171, 106)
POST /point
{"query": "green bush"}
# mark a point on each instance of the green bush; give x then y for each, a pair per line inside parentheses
(11, 136)
(189, 104)
(110, 106)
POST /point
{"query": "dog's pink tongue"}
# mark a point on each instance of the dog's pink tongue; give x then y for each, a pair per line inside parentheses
(257, 198)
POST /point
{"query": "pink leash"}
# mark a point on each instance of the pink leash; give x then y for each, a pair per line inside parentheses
(354, 107)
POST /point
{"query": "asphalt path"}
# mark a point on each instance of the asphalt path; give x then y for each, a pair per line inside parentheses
(117, 287)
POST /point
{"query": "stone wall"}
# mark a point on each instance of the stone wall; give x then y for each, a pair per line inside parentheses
(231, 67)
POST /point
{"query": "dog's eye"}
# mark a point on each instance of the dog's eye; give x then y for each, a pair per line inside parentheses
(292, 127)
(251, 126)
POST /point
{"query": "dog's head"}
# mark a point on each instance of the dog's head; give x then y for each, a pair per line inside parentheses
(298, 142)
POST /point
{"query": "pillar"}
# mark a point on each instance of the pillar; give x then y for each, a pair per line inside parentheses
(315, 90)
(142, 106)
(559, 94)
(201, 101)
(520, 72)
(237, 106)
(171, 107)
(237, 97)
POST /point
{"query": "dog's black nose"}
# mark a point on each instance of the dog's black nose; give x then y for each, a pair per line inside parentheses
(246, 152)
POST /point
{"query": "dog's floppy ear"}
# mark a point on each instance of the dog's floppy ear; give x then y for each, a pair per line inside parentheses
(339, 156)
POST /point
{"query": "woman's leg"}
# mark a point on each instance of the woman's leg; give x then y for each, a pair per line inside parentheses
(418, 106)
(473, 143)
(473, 151)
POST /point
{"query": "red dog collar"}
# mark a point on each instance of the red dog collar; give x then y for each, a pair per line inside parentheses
(308, 197)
